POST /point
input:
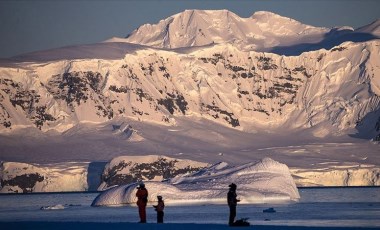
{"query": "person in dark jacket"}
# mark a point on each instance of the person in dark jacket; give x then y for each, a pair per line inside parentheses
(160, 209)
(232, 203)
(142, 200)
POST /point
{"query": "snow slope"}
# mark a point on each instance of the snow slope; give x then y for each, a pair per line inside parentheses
(257, 182)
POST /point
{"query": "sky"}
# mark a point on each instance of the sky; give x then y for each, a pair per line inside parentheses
(32, 25)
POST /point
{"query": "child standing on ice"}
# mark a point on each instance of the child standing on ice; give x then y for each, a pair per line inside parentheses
(160, 209)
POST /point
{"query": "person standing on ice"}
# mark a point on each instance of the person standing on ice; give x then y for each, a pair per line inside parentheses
(142, 199)
(232, 203)
(160, 209)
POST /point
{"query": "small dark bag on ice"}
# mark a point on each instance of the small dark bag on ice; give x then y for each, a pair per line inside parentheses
(241, 222)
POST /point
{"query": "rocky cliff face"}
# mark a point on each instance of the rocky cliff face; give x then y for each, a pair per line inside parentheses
(333, 90)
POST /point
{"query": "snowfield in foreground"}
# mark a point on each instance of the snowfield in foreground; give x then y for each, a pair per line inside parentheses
(258, 182)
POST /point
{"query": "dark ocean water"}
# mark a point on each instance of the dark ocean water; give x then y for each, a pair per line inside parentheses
(318, 207)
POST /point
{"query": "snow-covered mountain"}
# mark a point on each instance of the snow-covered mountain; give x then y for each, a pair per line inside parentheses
(373, 28)
(199, 84)
(263, 31)
(335, 89)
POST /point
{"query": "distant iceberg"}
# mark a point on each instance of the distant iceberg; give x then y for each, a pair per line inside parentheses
(54, 207)
(258, 182)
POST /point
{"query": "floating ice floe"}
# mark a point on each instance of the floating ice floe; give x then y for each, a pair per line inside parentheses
(257, 182)
(53, 207)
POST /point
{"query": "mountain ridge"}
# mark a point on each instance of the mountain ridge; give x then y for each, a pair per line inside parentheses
(163, 85)
(202, 27)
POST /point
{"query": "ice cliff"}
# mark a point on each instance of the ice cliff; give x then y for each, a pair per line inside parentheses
(179, 175)
(263, 181)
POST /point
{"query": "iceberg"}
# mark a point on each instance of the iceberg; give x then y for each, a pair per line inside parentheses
(265, 181)
(129, 169)
(53, 207)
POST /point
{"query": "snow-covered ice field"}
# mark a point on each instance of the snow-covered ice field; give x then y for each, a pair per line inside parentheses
(327, 208)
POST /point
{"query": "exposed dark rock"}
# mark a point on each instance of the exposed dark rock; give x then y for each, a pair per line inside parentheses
(144, 171)
(215, 59)
(121, 89)
(301, 69)
(173, 102)
(75, 86)
(42, 116)
(28, 100)
(19, 96)
(340, 48)
(265, 63)
(26, 181)
(168, 103)
(141, 94)
(229, 117)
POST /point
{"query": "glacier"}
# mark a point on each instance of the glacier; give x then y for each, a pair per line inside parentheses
(257, 182)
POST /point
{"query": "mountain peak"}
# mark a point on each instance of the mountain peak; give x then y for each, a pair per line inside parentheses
(211, 13)
(194, 27)
(372, 28)
(258, 14)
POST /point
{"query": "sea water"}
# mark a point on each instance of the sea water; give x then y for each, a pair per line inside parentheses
(350, 206)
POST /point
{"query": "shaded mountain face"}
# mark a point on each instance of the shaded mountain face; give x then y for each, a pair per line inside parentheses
(332, 91)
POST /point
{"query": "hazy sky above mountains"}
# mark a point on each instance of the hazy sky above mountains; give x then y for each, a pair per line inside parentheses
(27, 26)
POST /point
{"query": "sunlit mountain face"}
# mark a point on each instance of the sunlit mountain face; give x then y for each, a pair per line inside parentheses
(204, 85)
